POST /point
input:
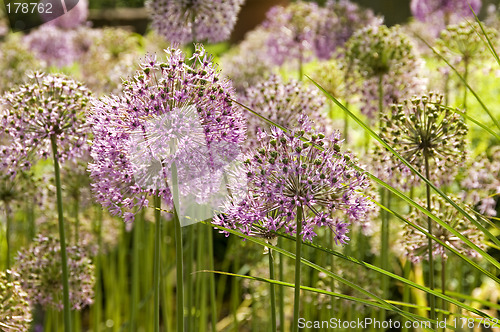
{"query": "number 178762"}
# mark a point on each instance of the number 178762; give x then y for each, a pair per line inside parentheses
(31, 7)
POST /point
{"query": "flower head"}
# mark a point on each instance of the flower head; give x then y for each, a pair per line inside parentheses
(15, 310)
(416, 243)
(38, 270)
(171, 112)
(48, 106)
(482, 182)
(185, 21)
(284, 103)
(247, 64)
(296, 170)
(440, 13)
(340, 20)
(423, 129)
(384, 58)
(292, 31)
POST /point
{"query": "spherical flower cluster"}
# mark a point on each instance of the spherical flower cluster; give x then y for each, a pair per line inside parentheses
(384, 59)
(463, 43)
(185, 21)
(38, 270)
(76, 16)
(341, 19)
(110, 57)
(416, 243)
(16, 61)
(296, 174)
(439, 13)
(53, 45)
(283, 103)
(292, 31)
(15, 310)
(247, 64)
(49, 106)
(175, 111)
(423, 129)
(482, 183)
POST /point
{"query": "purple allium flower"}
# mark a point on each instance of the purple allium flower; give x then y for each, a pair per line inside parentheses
(378, 54)
(292, 31)
(184, 21)
(48, 106)
(15, 309)
(247, 64)
(340, 20)
(416, 243)
(53, 45)
(440, 13)
(72, 19)
(283, 103)
(173, 111)
(38, 270)
(291, 170)
(482, 183)
(423, 127)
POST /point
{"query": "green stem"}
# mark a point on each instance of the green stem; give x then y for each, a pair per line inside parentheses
(156, 272)
(190, 284)
(281, 287)
(384, 238)
(135, 274)
(380, 96)
(432, 300)
(406, 289)
(178, 252)
(298, 243)
(443, 285)
(273, 291)
(301, 63)
(76, 215)
(346, 125)
(466, 74)
(98, 284)
(213, 300)
(62, 238)
(8, 236)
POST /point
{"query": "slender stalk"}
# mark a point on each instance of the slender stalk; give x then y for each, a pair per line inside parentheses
(157, 261)
(466, 74)
(432, 300)
(178, 252)
(134, 301)
(98, 263)
(346, 125)
(213, 300)
(281, 287)
(443, 285)
(406, 289)
(62, 238)
(190, 283)
(8, 235)
(76, 215)
(298, 243)
(272, 291)
(385, 246)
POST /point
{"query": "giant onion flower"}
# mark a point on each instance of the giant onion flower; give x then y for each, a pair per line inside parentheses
(15, 309)
(171, 112)
(184, 21)
(292, 170)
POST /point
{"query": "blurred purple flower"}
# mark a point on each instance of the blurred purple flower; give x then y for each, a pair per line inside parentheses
(184, 21)
(291, 170)
(340, 20)
(38, 270)
(283, 103)
(440, 13)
